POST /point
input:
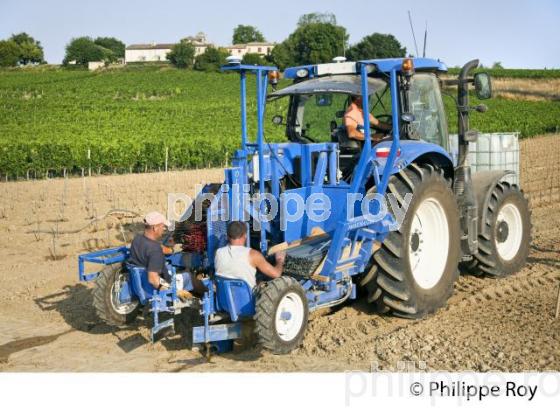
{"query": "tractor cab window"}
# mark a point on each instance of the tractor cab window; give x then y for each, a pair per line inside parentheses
(322, 113)
(318, 113)
(380, 104)
(316, 106)
(426, 105)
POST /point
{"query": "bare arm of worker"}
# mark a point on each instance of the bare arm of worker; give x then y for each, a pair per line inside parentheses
(352, 129)
(257, 260)
(353, 133)
(352, 126)
(382, 126)
(153, 278)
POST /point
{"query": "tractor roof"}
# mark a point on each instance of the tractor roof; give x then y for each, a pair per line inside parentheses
(384, 65)
(341, 84)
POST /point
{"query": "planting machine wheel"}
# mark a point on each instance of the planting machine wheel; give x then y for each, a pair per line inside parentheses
(106, 298)
(413, 272)
(281, 315)
(503, 244)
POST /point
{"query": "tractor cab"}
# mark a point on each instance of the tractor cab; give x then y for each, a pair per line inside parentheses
(317, 107)
(320, 95)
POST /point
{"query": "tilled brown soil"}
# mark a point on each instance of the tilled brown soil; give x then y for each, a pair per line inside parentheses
(48, 322)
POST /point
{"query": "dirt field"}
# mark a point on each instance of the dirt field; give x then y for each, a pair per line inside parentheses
(48, 322)
(527, 89)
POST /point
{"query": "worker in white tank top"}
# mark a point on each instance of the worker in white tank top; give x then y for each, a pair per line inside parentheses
(237, 261)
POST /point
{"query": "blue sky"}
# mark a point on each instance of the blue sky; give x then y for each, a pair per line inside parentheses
(518, 33)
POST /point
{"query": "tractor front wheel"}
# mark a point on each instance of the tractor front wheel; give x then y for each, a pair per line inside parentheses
(106, 298)
(413, 272)
(281, 314)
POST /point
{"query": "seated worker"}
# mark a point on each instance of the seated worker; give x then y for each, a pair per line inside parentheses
(354, 121)
(146, 251)
(237, 261)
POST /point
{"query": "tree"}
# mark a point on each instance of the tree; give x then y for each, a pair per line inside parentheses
(113, 44)
(182, 54)
(211, 59)
(312, 18)
(9, 53)
(253, 59)
(83, 50)
(31, 50)
(281, 56)
(311, 43)
(376, 45)
(496, 66)
(246, 34)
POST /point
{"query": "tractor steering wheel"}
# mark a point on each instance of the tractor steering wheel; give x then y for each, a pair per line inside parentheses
(389, 121)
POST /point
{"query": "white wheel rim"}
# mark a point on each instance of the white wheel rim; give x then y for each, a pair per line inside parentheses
(511, 217)
(121, 308)
(428, 243)
(289, 316)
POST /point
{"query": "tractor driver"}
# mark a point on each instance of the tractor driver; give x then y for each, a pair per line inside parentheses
(354, 121)
(237, 261)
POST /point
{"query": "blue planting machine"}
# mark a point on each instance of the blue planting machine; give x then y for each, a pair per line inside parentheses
(403, 261)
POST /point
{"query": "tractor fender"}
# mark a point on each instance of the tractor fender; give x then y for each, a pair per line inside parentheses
(419, 152)
(483, 183)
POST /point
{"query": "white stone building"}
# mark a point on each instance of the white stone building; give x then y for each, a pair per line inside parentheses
(135, 53)
(261, 48)
(158, 52)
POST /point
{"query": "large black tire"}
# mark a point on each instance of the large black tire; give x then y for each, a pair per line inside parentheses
(272, 296)
(105, 299)
(392, 284)
(492, 258)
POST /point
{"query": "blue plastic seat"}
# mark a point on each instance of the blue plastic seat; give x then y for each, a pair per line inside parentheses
(140, 285)
(235, 296)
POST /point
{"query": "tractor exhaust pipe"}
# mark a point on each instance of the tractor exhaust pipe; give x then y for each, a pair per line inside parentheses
(463, 182)
(463, 102)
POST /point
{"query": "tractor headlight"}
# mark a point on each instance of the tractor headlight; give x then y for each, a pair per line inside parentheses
(302, 72)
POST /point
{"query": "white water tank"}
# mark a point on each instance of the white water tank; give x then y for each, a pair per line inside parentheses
(495, 151)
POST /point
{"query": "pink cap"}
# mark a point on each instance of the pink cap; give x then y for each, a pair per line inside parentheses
(155, 218)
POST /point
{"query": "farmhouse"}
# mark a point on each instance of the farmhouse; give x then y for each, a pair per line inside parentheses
(158, 52)
(261, 48)
(146, 52)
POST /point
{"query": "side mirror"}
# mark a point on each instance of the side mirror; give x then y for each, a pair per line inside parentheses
(323, 100)
(277, 120)
(483, 86)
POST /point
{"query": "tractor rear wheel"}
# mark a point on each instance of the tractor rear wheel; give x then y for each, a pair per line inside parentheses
(281, 314)
(503, 245)
(106, 297)
(413, 272)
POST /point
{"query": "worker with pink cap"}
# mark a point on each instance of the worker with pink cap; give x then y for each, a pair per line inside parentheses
(146, 251)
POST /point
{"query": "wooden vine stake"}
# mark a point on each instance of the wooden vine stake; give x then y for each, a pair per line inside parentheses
(89, 161)
(557, 303)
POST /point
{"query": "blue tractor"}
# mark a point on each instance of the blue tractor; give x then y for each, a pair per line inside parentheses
(404, 261)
